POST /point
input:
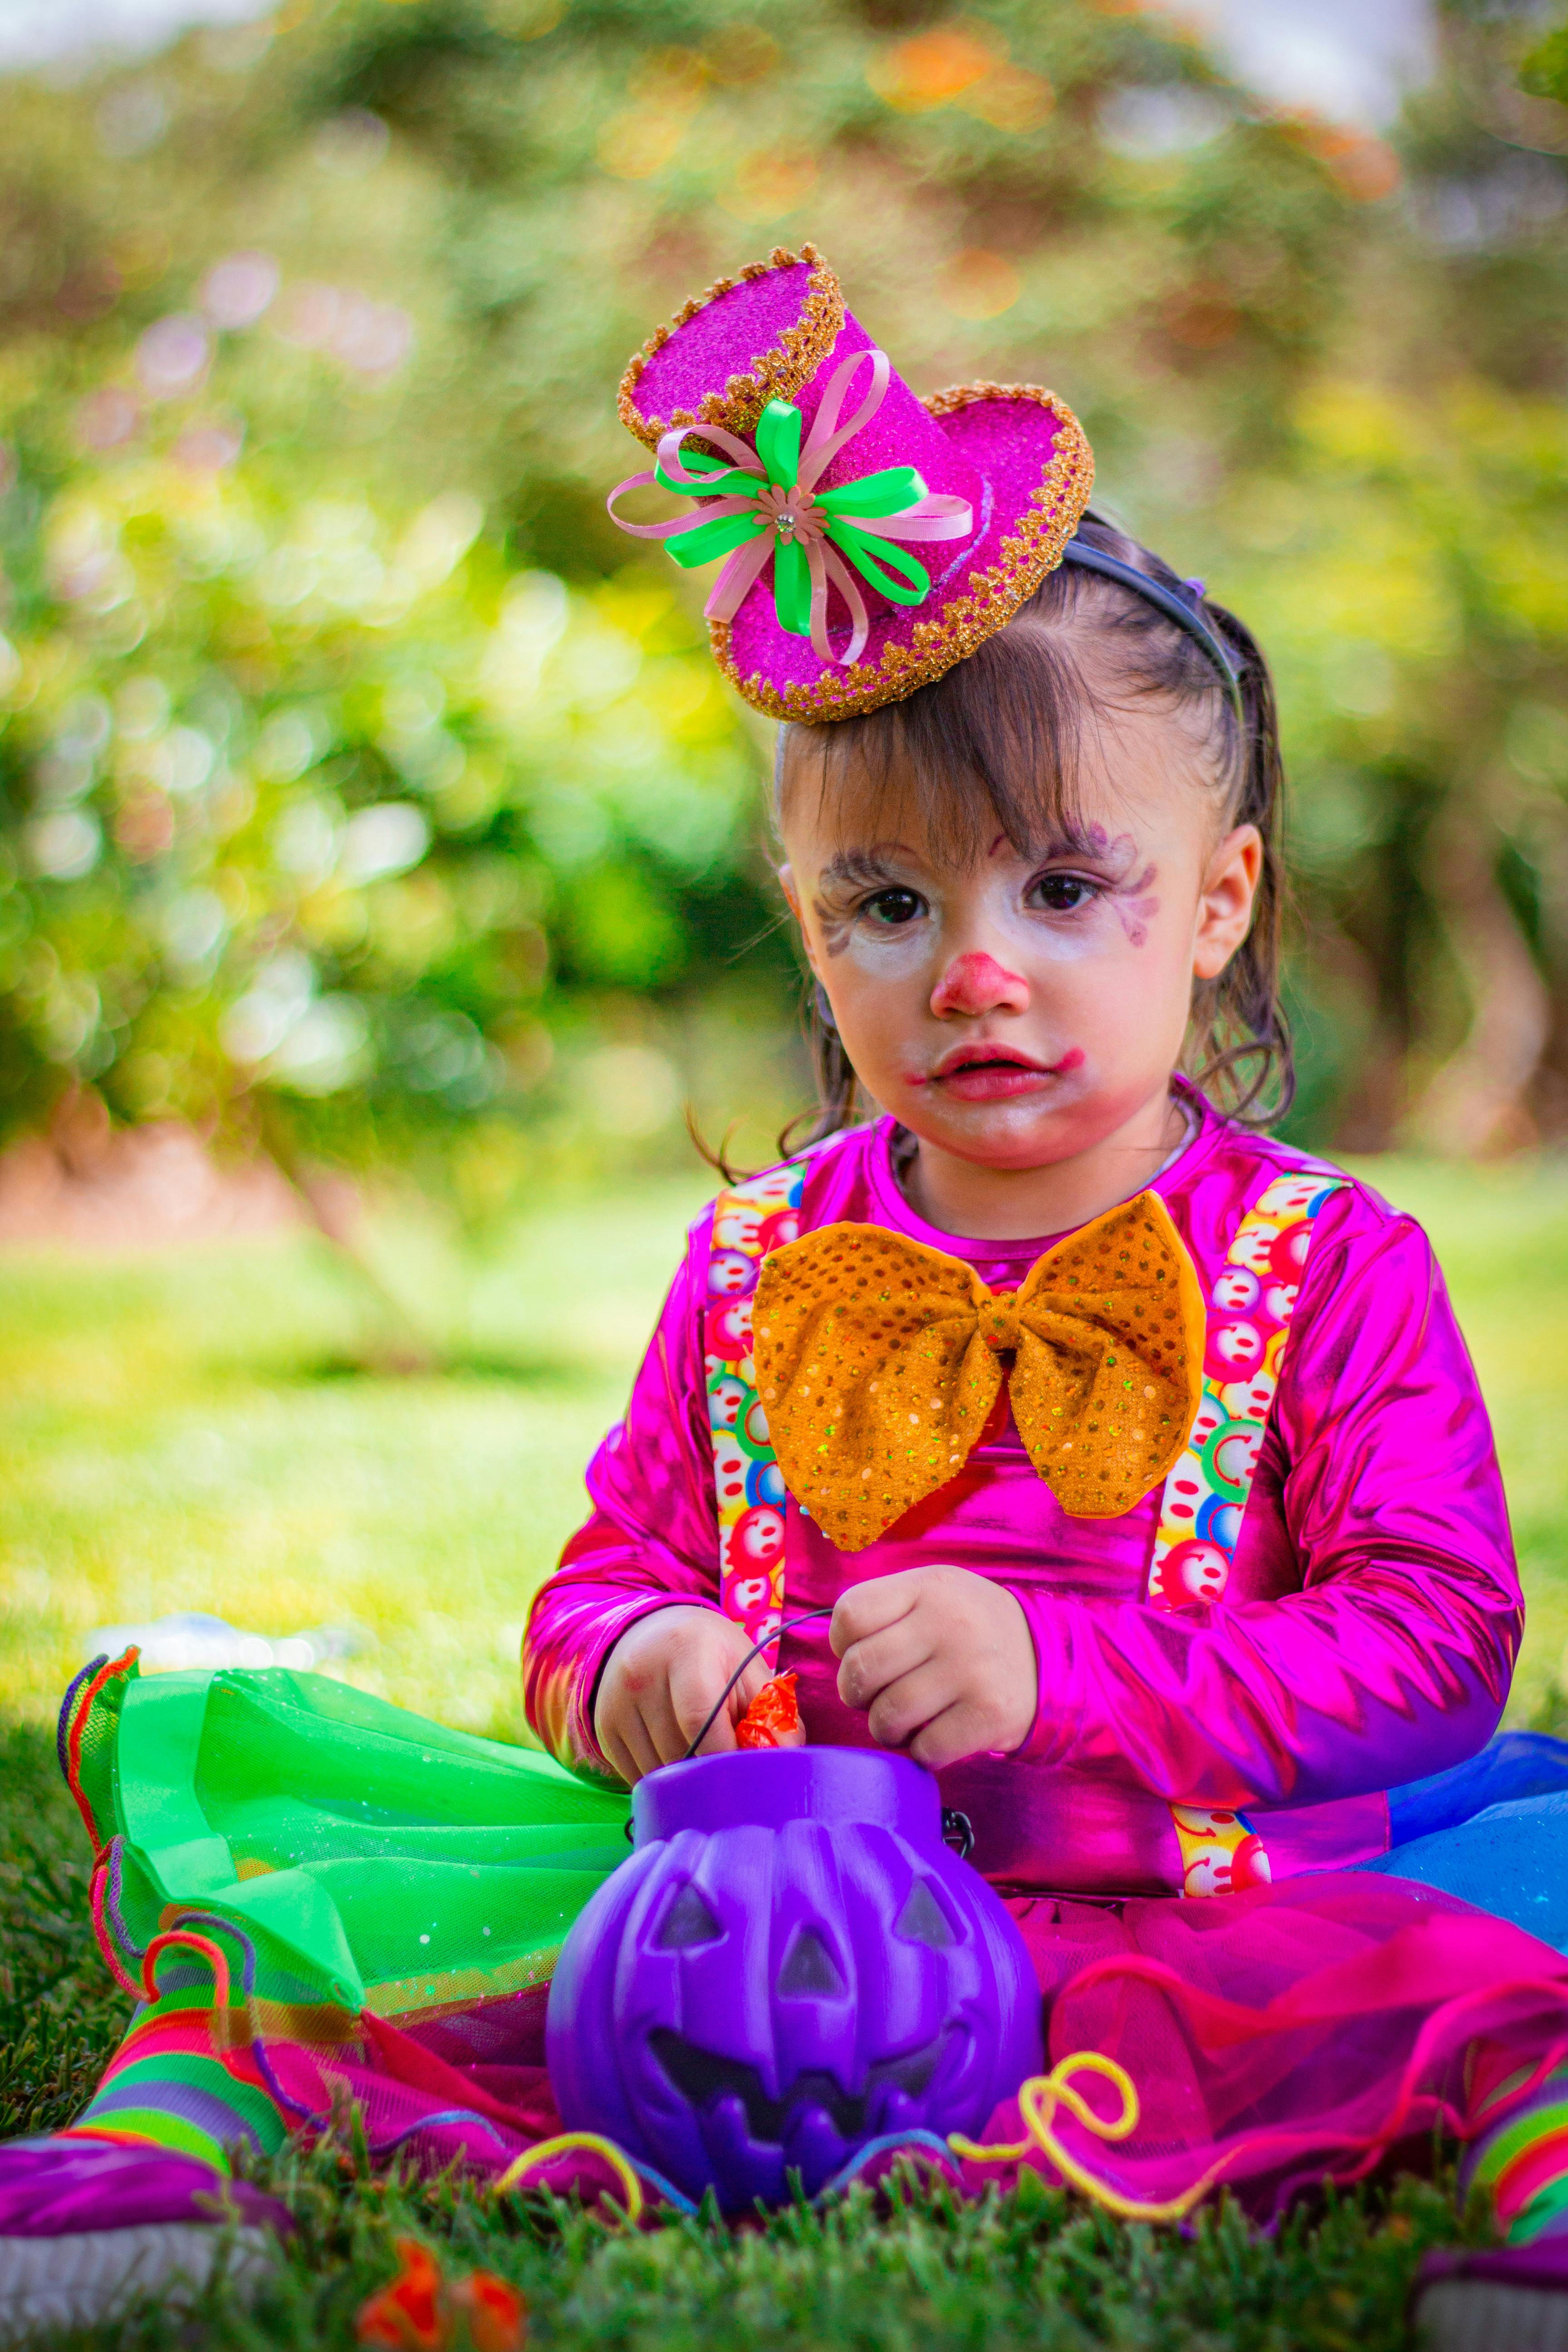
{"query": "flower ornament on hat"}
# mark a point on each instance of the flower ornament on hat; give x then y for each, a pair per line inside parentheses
(819, 513)
(765, 505)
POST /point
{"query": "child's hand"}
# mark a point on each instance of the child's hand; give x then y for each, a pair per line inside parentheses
(661, 1682)
(941, 1660)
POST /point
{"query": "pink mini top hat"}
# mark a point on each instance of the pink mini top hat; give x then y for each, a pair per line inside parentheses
(870, 538)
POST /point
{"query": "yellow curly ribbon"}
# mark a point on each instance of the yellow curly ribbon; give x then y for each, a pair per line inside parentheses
(616, 2159)
(1038, 2100)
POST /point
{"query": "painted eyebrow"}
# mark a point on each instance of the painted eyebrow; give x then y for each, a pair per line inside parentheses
(864, 866)
(1091, 842)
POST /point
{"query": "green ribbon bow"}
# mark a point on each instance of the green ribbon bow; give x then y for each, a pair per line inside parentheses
(888, 568)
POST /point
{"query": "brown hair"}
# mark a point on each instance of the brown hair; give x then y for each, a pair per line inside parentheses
(994, 742)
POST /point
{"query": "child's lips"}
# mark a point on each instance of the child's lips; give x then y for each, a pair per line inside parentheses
(978, 1074)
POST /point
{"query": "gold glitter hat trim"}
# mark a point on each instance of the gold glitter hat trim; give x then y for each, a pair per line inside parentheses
(774, 374)
(987, 600)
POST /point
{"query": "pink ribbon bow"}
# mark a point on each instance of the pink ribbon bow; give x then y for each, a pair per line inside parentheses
(786, 518)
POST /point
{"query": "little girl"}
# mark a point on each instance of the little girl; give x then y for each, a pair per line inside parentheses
(1030, 818)
(1052, 1426)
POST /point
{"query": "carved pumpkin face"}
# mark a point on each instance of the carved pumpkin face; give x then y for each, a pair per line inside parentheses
(790, 1966)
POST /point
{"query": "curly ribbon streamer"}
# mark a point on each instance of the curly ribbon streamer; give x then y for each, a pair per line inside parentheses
(595, 2144)
(766, 502)
(185, 1939)
(100, 1895)
(1038, 2100)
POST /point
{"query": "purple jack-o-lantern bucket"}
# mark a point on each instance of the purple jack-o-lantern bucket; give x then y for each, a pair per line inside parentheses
(791, 1965)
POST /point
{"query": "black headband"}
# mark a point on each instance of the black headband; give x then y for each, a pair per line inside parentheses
(1169, 601)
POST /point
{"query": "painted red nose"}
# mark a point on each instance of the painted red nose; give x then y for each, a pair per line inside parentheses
(978, 983)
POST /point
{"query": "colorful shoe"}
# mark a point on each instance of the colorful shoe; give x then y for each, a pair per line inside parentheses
(87, 2226)
(1493, 2298)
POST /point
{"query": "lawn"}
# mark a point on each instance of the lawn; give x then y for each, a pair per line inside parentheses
(190, 1432)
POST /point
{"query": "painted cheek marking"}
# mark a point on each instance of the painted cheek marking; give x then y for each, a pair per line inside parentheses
(1136, 913)
(977, 983)
(1073, 1059)
(1117, 854)
(835, 931)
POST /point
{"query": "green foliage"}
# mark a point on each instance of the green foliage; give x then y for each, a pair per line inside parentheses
(331, 812)
(309, 333)
(1406, 570)
(302, 796)
(1544, 71)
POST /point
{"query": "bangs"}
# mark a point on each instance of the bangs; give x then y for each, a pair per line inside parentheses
(999, 744)
(992, 745)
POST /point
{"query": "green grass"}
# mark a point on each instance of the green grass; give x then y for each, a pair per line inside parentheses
(1502, 1236)
(190, 1432)
(186, 1433)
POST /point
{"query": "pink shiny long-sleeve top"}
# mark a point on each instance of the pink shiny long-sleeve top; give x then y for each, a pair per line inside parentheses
(1366, 1638)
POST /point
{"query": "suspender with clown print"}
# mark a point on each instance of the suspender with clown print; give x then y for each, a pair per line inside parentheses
(1205, 1494)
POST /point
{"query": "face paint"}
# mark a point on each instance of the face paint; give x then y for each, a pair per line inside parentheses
(1129, 895)
(978, 983)
(845, 879)
(832, 929)
(1136, 909)
(1019, 1010)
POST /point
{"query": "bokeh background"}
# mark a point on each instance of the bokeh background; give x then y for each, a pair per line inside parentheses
(382, 867)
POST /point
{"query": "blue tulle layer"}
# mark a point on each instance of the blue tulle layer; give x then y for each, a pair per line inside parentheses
(1492, 1831)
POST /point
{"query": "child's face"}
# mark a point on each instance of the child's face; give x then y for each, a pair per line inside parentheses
(1023, 1010)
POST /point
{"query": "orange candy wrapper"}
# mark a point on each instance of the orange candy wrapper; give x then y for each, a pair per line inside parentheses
(422, 2311)
(773, 1720)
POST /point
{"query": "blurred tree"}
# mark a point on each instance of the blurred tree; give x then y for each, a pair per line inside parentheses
(351, 776)
(1545, 72)
(1406, 567)
(304, 798)
(1408, 572)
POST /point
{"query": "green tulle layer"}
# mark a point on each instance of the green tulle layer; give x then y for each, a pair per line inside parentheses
(368, 1858)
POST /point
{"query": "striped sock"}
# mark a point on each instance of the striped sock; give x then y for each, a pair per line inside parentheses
(169, 2086)
(191, 2078)
(1523, 2164)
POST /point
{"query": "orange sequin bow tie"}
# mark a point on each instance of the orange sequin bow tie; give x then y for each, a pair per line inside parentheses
(879, 1361)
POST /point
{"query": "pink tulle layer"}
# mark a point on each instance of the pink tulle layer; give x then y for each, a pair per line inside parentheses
(1292, 2033)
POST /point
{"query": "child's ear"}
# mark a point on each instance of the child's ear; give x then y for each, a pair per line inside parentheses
(786, 884)
(1225, 900)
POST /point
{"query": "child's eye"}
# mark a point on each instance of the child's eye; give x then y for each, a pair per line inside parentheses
(894, 907)
(1059, 894)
